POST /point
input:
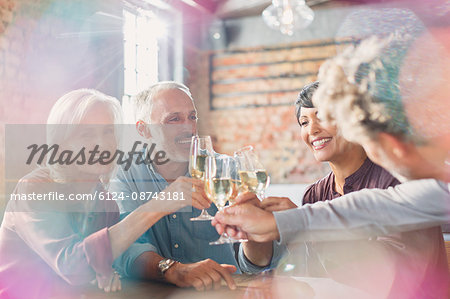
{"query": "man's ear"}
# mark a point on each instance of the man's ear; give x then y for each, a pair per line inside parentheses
(394, 147)
(143, 129)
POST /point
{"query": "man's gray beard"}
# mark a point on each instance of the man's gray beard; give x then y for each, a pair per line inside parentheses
(167, 146)
(172, 154)
(178, 158)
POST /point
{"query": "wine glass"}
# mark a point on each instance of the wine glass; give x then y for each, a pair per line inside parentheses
(201, 147)
(238, 189)
(219, 187)
(253, 176)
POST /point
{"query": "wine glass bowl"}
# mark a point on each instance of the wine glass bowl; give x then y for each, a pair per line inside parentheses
(201, 148)
(220, 187)
(252, 174)
(254, 181)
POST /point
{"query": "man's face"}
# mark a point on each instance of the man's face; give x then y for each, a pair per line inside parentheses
(174, 113)
(405, 160)
(425, 85)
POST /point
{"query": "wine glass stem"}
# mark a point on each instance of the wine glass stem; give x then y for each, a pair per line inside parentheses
(204, 213)
(261, 195)
(224, 234)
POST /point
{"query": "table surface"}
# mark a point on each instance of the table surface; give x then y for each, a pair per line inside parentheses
(248, 287)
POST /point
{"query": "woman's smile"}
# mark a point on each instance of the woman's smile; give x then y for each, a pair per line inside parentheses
(320, 143)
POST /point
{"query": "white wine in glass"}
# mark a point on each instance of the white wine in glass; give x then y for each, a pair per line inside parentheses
(254, 181)
(197, 166)
(201, 148)
(238, 188)
(219, 190)
(252, 174)
(219, 187)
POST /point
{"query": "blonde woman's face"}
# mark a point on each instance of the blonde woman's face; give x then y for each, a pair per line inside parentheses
(95, 132)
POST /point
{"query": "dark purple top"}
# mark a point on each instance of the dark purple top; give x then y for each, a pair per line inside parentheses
(369, 175)
(418, 257)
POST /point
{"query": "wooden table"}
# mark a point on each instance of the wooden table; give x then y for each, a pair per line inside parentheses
(150, 289)
(260, 287)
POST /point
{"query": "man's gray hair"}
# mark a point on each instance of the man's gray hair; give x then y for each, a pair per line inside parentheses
(142, 103)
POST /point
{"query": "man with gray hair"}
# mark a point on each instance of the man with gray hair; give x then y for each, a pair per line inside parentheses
(175, 249)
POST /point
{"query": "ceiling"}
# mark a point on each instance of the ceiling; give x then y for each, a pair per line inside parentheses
(432, 12)
(226, 9)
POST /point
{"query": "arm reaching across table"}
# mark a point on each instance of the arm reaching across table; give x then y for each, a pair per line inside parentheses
(408, 206)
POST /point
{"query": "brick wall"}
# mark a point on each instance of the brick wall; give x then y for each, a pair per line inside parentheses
(246, 96)
(10, 40)
(49, 47)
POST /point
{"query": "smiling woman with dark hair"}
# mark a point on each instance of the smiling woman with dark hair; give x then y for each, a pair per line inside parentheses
(351, 169)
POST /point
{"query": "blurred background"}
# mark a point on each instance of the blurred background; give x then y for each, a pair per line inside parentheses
(244, 73)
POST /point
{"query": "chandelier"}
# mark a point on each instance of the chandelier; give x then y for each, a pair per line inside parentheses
(288, 15)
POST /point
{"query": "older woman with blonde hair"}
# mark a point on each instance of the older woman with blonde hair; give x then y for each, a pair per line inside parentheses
(47, 248)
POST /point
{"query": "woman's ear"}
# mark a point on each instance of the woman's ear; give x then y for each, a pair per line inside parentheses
(143, 129)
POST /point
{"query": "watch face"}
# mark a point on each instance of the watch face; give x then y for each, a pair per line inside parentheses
(165, 264)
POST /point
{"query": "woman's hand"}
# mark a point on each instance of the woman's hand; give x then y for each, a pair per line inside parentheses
(273, 204)
(249, 198)
(269, 204)
(109, 283)
(177, 195)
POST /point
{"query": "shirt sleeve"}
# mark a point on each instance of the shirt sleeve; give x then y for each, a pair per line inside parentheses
(77, 260)
(125, 188)
(248, 267)
(124, 263)
(409, 206)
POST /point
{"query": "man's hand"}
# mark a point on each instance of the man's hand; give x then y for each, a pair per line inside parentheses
(273, 204)
(199, 198)
(110, 283)
(252, 223)
(203, 275)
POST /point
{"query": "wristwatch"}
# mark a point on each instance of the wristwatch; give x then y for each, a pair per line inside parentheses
(165, 264)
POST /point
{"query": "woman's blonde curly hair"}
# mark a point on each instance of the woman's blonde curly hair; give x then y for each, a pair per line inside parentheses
(359, 90)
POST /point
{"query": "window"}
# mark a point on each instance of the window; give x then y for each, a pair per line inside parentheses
(141, 33)
(148, 55)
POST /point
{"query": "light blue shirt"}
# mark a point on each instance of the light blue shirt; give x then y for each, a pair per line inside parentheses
(248, 267)
(173, 236)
